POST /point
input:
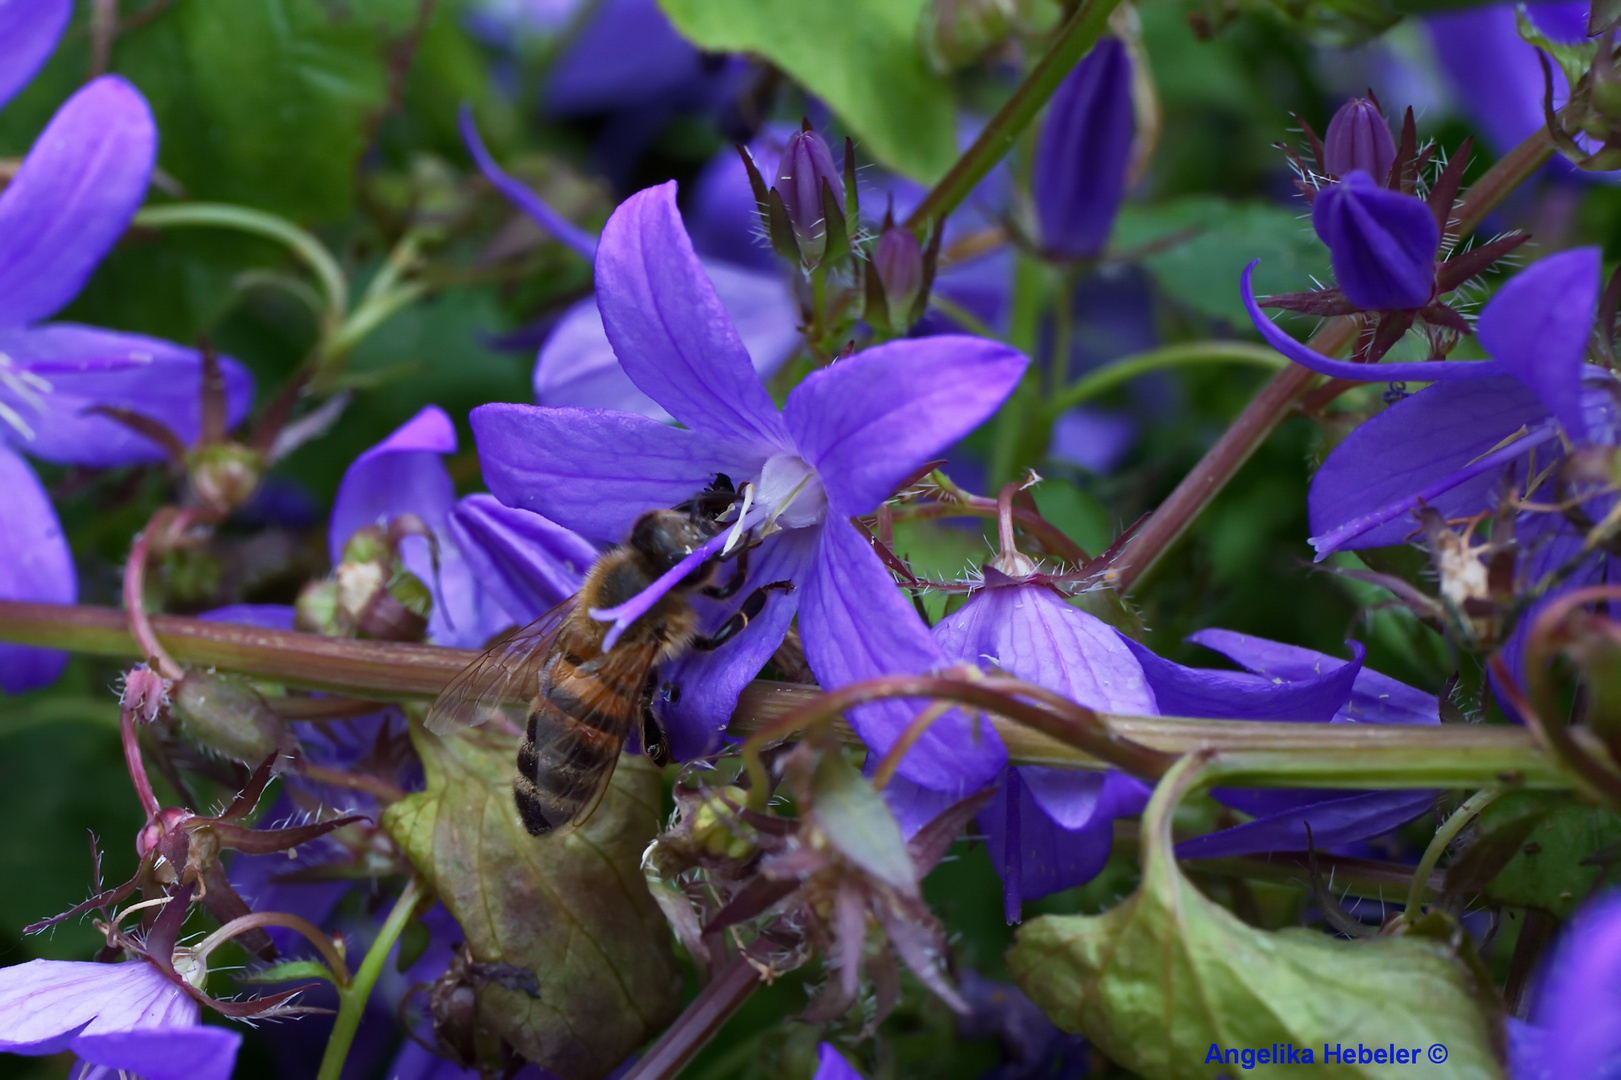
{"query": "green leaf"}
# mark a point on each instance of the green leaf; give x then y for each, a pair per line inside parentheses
(1208, 240)
(571, 906)
(292, 969)
(1532, 850)
(1167, 976)
(859, 56)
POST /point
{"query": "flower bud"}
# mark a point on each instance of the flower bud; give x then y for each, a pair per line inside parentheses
(898, 262)
(956, 33)
(1382, 243)
(1358, 138)
(1082, 154)
(806, 169)
(229, 717)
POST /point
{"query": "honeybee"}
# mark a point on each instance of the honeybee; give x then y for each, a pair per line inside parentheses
(583, 701)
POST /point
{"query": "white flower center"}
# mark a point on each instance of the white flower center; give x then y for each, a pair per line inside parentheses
(792, 493)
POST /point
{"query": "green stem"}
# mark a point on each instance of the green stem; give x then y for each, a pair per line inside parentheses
(1444, 836)
(245, 219)
(1189, 354)
(352, 999)
(1074, 41)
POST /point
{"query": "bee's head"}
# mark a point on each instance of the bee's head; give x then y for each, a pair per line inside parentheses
(665, 537)
(713, 501)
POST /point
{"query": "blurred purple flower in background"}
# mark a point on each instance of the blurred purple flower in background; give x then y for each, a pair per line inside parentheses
(69, 202)
(845, 438)
(831, 1065)
(1576, 1021)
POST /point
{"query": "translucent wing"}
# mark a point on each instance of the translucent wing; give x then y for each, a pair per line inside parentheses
(503, 681)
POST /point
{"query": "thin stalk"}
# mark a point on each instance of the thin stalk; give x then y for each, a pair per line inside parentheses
(136, 764)
(698, 1023)
(323, 944)
(1188, 354)
(1074, 41)
(135, 596)
(352, 999)
(1443, 837)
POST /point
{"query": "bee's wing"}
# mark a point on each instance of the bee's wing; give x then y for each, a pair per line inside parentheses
(502, 681)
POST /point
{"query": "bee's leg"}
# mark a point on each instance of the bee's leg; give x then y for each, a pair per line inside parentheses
(655, 744)
(740, 619)
(734, 584)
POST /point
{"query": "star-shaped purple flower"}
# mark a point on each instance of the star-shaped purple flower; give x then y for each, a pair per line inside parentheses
(844, 439)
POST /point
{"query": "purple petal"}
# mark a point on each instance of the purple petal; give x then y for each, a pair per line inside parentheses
(264, 616)
(867, 423)
(1434, 441)
(577, 366)
(1579, 1004)
(594, 471)
(45, 1005)
(1032, 634)
(669, 329)
(1333, 822)
(1375, 698)
(830, 1065)
(628, 612)
(403, 474)
(856, 625)
(1082, 153)
(72, 198)
(35, 565)
(520, 196)
(1382, 243)
(192, 1053)
(526, 563)
(1092, 438)
(1420, 371)
(1237, 695)
(1538, 326)
(709, 682)
(64, 369)
(29, 31)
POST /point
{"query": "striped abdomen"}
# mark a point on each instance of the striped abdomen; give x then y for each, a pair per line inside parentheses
(581, 719)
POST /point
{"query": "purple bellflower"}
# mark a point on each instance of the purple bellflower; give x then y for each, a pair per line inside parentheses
(847, 435)
(127, 1018)
(1382, 243)
(70, 201)
(1288, 683)
(1358, 139)
(1576, 1022)
(1049, 829)
(576, 365)
(1082, 153)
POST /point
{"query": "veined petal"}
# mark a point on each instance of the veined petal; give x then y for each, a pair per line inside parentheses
(526, 563)
(701, 688)
(1239, 695)
(49, 376)
(72, 198)
(35, 564)
(403, 474)
(867, 423)
(856, 625)
(29, 31)
(1421, 443)
(188, 1053)
(1538, 326)
(577, 366)
(45, 1005)
(1375, 698)
(1333, 822)
(669, 329)
(594, 471)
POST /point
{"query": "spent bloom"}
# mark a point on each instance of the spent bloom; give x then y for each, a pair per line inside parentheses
(1082, 154)
(69, 202)
(846, 437)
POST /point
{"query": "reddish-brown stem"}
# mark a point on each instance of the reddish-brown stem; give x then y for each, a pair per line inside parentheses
(137, 766)
(698, 1023)
(1004, 518)
(135, 594)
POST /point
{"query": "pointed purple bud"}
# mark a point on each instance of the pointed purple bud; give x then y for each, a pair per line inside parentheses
(1382, 243)
(1082, 154)
(898, 259)
(806, 165)
(1358, 138)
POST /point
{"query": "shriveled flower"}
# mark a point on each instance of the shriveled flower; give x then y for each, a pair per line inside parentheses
(125, 1016)
(847, 436)
(1082, 154)
(1285, 682)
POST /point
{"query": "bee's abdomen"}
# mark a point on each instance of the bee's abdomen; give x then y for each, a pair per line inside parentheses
(569, 751)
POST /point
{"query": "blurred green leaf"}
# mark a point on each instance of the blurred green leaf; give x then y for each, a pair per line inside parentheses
(292, 969)
(859, 56)
(1207, 242)
(1532, 849)
(1164, 977)
(570, 907)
